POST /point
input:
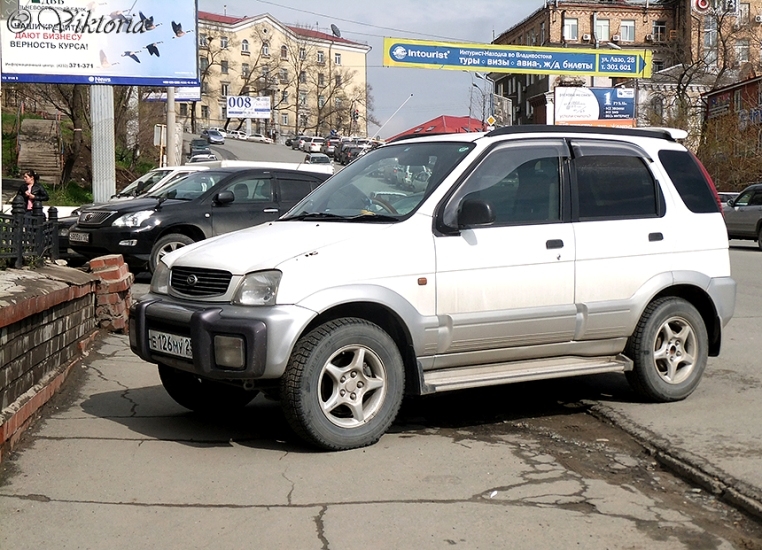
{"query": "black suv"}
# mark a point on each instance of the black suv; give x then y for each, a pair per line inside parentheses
(202, 205)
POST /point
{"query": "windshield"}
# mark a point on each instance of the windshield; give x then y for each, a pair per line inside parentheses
(190, 187)
(388, 183)
(143, 182)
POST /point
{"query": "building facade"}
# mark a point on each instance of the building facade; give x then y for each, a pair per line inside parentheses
(316, 82)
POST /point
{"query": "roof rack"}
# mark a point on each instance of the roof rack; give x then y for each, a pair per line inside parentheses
(670, 134)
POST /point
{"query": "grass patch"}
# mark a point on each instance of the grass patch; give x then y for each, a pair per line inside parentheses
(69, 195)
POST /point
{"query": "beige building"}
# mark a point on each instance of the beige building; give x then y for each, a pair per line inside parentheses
(316, 82)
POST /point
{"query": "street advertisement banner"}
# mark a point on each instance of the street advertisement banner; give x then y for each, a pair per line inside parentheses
(426, 54)
(182, 95)
(248, 107)
(612, 107)
(107, 42)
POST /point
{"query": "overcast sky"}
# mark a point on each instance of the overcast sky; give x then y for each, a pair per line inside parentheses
(443, 92)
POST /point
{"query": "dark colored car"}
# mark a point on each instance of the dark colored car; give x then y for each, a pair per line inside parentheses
(351, 154)
(743, 214)
(213, 137)
(198, 146)
(199, 206)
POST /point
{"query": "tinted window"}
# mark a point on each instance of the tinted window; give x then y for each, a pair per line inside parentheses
(614, 187)
(689, 181)
(294, 188)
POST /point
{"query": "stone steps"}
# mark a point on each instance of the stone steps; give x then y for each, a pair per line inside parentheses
(38, 149)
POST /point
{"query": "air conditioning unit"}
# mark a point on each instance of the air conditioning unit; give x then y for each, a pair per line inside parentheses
(649, 38)
(736, 26)
(673, 34)
(586, 37)
(616, 38)
(758, 18)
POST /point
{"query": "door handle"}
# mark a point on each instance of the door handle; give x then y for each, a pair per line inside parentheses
(554, 243)
(270, 210)
(653, 237)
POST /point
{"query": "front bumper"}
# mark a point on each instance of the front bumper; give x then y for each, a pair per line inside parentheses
(268, 333)
(106, 240)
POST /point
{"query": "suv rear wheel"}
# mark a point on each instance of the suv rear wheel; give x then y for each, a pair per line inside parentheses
(343, 385)
(165, 245)
(669, 348)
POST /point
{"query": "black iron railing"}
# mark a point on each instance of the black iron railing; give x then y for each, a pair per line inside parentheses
(28, 234)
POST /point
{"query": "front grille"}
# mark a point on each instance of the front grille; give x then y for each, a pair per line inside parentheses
(193, 281)
(94, 218)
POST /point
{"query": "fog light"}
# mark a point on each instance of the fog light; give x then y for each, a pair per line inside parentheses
(128, 242)
(230, 352)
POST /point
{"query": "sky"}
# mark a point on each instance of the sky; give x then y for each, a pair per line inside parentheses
(435, 92)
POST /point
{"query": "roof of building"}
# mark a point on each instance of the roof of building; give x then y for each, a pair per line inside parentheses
(444, 124)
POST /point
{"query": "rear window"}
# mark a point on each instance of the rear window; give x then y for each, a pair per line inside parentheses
(694, 189)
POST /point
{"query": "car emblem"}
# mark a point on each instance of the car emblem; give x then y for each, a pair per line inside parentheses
(88, 217)
(191, 280)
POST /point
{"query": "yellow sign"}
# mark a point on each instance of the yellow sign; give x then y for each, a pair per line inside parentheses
(493, 58)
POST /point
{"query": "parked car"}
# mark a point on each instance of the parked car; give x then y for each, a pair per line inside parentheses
(153, 180)
(329, 146)
(259, 138)
(312, 144)
(236, 134)
(213, 137)
(351, 154)
(725, 196)
(221, 131)
(201, 205)
(202, 157)
(533, 253)
(743, 214)
(318, 158)
(198, 145)
(288, 140)
(298, 141)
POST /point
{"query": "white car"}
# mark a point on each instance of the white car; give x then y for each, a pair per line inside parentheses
(533, 252)
(153, 180)
(312, 144)
(220, 130)
(259, 138)
(236, 134)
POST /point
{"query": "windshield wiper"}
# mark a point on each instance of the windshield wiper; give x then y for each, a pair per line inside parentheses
(373, 218)
(316, 216)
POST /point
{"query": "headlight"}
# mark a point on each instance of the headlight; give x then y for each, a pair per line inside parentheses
(160, 279)
(134, 219)
(258, 289)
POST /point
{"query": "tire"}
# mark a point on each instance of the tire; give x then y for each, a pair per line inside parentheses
(165, 245)
(202, 395)
(333, 402)
(669, 349)
(759, 238)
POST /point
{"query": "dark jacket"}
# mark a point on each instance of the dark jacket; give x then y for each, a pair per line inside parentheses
(37, 190)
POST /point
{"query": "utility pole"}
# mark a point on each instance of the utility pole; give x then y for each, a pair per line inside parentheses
(171, 129)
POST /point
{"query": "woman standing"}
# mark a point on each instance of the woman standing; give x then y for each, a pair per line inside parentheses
(32, 189)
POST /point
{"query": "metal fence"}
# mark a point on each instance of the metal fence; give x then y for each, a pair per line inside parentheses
(26, 234)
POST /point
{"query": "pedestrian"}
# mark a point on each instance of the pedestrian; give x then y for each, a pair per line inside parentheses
(32, 189)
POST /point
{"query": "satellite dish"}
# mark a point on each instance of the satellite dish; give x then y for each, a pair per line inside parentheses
(335, 30)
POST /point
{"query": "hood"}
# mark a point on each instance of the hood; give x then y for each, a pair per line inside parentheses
(133, 205)
(268, 245)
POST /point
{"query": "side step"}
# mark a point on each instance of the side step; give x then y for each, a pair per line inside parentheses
(520, 371)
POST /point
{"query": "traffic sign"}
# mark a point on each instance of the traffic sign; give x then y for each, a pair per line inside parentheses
(424, 54)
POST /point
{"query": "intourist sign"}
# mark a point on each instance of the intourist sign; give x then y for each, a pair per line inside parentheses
(424, 54)
(136, 43)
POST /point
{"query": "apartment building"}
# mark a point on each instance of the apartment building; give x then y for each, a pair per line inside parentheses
(316, 81)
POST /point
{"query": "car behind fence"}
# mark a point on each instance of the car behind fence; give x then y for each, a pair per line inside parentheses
(28, 235)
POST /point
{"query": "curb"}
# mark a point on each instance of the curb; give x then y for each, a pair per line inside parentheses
(684, 464)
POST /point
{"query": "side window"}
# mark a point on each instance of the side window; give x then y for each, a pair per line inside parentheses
(521, 182)
(293, 188)
(251, 189)
(756, 200)
(614, 182)
(690, 182)
(743, 199)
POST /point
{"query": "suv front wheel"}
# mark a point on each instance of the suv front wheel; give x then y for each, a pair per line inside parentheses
(669, 349)
(165, 245)
(343, 385)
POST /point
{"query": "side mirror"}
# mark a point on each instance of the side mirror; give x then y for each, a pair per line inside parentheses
(475, 212)
(224, 197)
(731, 202)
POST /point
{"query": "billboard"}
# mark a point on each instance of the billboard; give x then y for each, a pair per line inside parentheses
(427, 54)
(108, 42)
(612, 107)
(182, 95)
(248, 107)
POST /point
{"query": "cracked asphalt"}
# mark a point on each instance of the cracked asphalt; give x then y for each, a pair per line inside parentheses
(577, 463)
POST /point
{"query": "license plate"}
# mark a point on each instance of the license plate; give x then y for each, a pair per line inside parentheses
(75, 237)
(171, 344)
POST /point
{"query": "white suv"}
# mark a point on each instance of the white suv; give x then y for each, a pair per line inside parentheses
(526, 253)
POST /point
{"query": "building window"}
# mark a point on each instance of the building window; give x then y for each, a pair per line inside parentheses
(284, 97)
(266, 48)
(303, 120)
(657, 65)
(737, 101)
(302, 98)
(203, 64)
(284, 119)
(321, 57)
(710, 40)
(245, 70)
(224, 67)
(627, 30)
(570, 29)
(204, 87)
(302, 54)
(321, 101)
(183, 109)
(223, 42)
(337, 59)
(338, 80)
(283, 52)
(244, 47)
(657, 106)
(302, 77)
(203, 41)
(603, 29)
(205, 111)
(542, 33)
(660, 31)
(265, 72)
(283, 75)
(742, 51)
(224, 88)
(321, 79)
(743, 13)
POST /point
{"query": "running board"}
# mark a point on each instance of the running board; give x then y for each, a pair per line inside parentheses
(520, 371)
